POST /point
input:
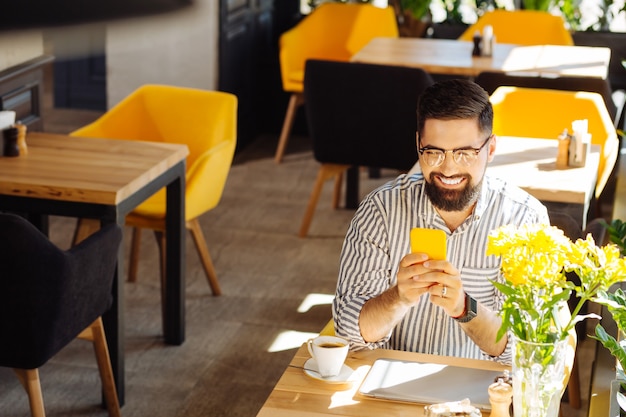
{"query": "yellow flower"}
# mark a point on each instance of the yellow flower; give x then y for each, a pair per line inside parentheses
(532, 253)
(534, 259)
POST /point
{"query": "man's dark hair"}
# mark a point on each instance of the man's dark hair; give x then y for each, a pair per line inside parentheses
(455, 99)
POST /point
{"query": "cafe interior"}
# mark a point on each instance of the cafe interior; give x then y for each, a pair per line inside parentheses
(302, 122)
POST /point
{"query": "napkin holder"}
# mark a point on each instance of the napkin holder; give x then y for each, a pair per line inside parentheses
(7, 119)
(579, 145)
(573, 149)
(578, 149)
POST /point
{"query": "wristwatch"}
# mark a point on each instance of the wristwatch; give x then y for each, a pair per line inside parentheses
(471, 310)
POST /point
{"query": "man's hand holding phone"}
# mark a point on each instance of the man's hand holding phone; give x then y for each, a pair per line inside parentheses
(426, 270)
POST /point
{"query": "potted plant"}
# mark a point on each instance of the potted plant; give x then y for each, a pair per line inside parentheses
(615, 303)
(534, 262)
(413, 16)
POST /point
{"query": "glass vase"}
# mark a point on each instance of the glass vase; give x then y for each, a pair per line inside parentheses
(538, 377)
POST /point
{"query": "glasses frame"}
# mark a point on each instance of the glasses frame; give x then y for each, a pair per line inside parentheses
(477, 151)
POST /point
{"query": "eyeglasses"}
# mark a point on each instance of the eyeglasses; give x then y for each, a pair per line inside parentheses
(462, 156)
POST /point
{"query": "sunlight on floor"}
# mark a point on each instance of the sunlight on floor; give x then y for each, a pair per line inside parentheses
(290, 339)
(312, 300)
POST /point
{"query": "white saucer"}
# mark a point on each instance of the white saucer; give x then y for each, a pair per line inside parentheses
(344, 375)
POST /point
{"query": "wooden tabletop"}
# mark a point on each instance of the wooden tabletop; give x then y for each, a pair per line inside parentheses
(453, 57)
(531, 165)
(104, 179)
(297, 394)
(103, 171)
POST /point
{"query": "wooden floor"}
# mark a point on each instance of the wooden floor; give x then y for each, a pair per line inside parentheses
(276, 294)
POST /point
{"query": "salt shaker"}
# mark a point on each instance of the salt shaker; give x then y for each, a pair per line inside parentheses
(500, 397)
(21, 138)
(487, 41)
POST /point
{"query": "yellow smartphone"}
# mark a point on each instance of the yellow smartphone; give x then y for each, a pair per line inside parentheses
(429, 241)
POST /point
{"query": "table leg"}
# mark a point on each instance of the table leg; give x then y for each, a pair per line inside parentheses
(174, 324)
(113, 321)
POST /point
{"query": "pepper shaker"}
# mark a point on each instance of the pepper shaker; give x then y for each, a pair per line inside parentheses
(500, 397)
(10, 142)
(477, 51)
(562, 156)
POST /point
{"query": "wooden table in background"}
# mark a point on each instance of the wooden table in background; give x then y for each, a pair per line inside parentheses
(530, 164)
(298, 395)
(104, 179)
(454, 57)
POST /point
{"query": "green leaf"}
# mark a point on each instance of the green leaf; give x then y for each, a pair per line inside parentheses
(609, 342)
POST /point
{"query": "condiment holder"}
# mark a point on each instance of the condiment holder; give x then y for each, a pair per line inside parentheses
(573, 149)
(483, 44)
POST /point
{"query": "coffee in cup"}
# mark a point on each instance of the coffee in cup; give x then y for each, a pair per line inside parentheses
(330, 353)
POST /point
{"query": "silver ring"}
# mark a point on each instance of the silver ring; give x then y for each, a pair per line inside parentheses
(444, 291)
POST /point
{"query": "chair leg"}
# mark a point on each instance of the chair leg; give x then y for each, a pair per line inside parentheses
(29, 378)
(84, 228)
(295, 101)
(205, 257)
(95, 333)
(160, 238)
(573, 386)
(133, 260)
(337, 190)
(325, 172)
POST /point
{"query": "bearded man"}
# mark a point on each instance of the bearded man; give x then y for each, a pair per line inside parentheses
(388, 297)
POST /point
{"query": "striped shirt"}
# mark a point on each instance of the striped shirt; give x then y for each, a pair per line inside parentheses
(378, 238)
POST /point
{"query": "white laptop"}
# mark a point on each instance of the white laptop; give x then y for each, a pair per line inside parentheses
(428, 383)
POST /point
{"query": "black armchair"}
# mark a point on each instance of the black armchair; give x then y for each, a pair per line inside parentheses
(49, 296)
(360, 115)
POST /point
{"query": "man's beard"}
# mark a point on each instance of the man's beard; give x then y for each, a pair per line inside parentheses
(452, 200)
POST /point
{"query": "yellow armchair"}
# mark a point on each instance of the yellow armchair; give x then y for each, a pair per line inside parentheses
(329, 329)
(334, 32)
(206, 122)
(542, 113)
(522, 27)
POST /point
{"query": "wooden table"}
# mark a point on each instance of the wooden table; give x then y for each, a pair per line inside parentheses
(104, 179)
(530, 164)
(297, 394)
(454, 57)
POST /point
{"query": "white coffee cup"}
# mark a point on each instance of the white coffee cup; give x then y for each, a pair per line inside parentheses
(329, 352)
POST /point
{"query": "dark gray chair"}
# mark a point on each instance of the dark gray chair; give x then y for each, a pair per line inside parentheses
(49, 297)
(572, 229)
(361, 115)
(492, 80)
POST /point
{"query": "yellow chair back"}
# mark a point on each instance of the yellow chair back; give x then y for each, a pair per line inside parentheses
(522, 27)
(205, 121)
(329, 329)
(333, 31)
(542, 113)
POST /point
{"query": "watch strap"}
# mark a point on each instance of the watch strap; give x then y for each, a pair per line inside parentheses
(471, 310)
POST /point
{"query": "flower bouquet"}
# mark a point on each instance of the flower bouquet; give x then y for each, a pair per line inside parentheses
(534, 262)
